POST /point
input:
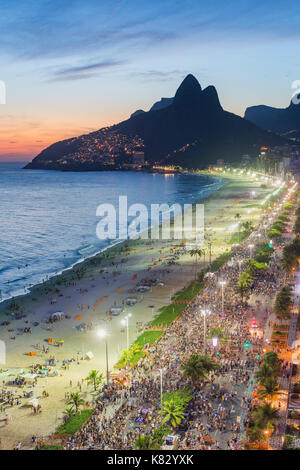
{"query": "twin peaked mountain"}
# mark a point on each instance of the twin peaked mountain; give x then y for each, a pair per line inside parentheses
(191, 130)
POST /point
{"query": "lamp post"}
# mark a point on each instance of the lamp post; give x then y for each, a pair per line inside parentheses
(161, 386)
(222, 284)
(103, 334)
(240, 264)
(251, 248)
(209, 246)
(205, 313)
(125, 322)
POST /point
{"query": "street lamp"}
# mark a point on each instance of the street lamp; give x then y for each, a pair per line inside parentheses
(222, 284)
(103, 334)
(240, 261)
(251, 248)
(161, 386)
(205, 313)
(125, 322)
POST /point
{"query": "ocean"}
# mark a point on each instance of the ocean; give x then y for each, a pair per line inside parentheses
(48, 219)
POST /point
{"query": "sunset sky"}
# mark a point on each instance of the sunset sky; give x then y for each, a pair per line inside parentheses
(71, 67)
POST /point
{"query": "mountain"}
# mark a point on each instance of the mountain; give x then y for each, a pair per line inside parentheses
(280, 120)
(193, 131)
(162, 103)
(138, 111)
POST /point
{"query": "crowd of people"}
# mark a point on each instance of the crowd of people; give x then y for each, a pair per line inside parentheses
(218, 414)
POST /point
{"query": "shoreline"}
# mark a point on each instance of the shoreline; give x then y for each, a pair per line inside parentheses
(80, 299)
(81, 262)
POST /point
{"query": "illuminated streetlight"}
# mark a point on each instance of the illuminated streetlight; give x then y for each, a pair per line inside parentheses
(125, 322)
(161, 386)
(222, 284)
(103, 334)
(205, 313)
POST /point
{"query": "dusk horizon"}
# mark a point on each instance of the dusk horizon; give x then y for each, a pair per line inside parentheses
(63, 65)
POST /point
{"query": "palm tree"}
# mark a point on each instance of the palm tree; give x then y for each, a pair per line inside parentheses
(244, 284)
(134, 349)
(255, 434)
(198, 367)
(193, 369)
(196, 252)
(68, 414)
(76, 401)
(172, 412)
(216, 332)
(266, 416)
(272, 360)
(248, 227)
(146, 443)
(269, 388)
(264, 372)
(95, 378)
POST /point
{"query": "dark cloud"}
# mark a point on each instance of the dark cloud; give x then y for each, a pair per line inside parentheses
(82, 72)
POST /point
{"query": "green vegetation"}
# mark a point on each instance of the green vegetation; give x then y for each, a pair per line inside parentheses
(136, 351)
(76, 401)
(198, 367)
(244, 284)
(254, 267)
(188, 293)
(217, 332)
(219, 261)
(168, 314)
(146, 443)
(74, 423)
(95, 378)
(172, 413)
(161, 432)
(247, 227)
(181, 397)
(148, 337)
(274, 233)
(51, 447)
(264, 253)
(283, 303)
(264, 416)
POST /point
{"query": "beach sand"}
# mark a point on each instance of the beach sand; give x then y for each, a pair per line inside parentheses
(114, 283)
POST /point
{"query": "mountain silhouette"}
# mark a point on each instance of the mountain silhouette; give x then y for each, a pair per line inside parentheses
(280, 120)
(192, 131)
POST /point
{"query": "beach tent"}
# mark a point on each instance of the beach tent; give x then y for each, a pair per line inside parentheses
(57, 316)
(34, 402)
(29, 376)
(89, 355)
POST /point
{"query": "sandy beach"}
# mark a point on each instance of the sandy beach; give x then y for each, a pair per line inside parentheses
(88, 292)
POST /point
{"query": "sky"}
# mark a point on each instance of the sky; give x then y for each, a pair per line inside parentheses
(71, 67)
